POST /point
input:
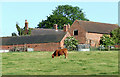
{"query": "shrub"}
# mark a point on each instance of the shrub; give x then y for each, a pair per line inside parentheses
(71, 43)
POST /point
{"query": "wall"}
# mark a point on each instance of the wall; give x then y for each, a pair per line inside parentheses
(94, 37)
(37, 47)
(62, 41)
(81, 32)
(46, 46)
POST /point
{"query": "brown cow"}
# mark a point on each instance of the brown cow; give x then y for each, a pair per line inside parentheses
(59, 52)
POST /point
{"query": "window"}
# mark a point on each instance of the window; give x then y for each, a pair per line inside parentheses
(75, 32)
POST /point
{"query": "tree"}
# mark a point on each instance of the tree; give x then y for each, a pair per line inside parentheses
(14, 34)
(63, 14)
(70, 12)
(106, 40)
(113, 39)
(115, 34)
(22, 31)
(71, 43)
(29, 31)
(19, 30)
(54, 19)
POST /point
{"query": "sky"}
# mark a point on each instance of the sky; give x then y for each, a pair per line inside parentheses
(35, 12)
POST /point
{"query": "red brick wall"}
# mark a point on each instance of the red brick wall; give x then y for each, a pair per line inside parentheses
(40, 46)
(37, 47)
(84, 37)
(46, 46)
(94, 37)
(7, 47)
(62, 41)
(81, 37)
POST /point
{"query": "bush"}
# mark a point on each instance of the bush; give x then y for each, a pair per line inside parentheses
(71, 43)
(18, 49)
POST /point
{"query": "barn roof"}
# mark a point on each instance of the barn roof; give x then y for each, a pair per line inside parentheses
(96, 27)
(46, 38)
(40, 31)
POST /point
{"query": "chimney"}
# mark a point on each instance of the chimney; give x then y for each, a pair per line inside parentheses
(26, 24)
(65, 28)
(68, 26)
(55, 27)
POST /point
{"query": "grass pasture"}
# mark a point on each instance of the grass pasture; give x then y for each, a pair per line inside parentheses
(77, 63)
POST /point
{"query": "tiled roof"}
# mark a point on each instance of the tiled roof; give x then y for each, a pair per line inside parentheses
(96, 27)
(32, 39)
(39, 31)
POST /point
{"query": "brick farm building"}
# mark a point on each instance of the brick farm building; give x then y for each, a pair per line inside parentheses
(86, 32)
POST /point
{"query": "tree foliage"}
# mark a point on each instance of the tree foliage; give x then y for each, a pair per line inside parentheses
(54, 19)
(113, 39)
(22, 31)
(63, 14)
(106, 40)
(115, 34)
(71, 43)
(19, 30)
(72, 13)
(14, 34)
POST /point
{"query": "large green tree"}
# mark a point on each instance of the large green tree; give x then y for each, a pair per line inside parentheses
(63, 14)
(70, 12)
(54, 19)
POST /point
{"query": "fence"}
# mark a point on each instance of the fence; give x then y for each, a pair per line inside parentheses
(103, 48)
(1, 51)
(87, 47)
(83, 47)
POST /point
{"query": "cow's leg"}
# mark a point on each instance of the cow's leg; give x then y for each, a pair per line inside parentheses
(59, 56)
(52, 55)
(65, 55)
(56, 53)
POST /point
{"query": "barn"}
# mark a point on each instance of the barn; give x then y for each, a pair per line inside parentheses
(39, 40)
(86, 32)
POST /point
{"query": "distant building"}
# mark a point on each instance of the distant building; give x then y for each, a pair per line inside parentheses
(39, 40)
(86, 32)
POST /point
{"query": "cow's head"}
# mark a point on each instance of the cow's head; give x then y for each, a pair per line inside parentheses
(52, 56)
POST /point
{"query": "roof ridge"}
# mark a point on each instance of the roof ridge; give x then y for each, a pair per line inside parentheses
(46, 29)
(97, 27)
(15, 36)
(97, 22)
(33, 35)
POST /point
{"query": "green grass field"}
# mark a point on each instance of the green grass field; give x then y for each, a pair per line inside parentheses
(77, 63)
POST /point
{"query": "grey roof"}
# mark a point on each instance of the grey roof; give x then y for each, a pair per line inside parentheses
(96, 27)
(32, 39)
(39, 31)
